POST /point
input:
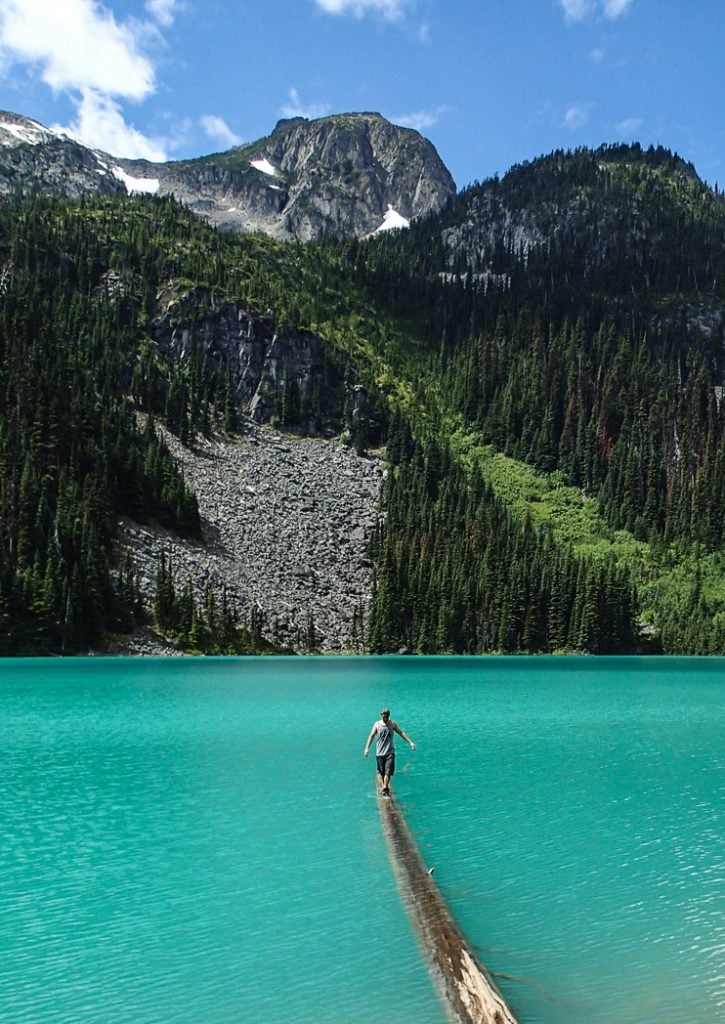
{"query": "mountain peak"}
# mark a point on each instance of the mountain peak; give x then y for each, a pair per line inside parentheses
(288, 122)
(17, 130)
(344, 171)
(336, 175)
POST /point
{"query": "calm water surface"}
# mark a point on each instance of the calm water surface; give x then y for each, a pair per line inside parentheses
(198, 840)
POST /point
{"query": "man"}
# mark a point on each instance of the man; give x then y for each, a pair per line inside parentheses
(384, 747)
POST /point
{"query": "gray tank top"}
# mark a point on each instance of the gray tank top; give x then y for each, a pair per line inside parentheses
(384, 740)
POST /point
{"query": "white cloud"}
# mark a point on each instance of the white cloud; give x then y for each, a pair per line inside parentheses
(77, 44)
(629, 126)
(219, 131)
(100, 124)
(78, 47)
(389, 9)
(295, 107)
(597, 54)
(421, 120)
(614, 9)
(164, 11)
(578, 10)
(576, 116)
(178, 133)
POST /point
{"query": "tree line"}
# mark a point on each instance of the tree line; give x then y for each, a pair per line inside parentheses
(457, 573)
(586, 343)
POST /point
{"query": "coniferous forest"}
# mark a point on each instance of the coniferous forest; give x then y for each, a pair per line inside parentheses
(545, 365)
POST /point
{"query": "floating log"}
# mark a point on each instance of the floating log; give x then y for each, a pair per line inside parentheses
(466, 987)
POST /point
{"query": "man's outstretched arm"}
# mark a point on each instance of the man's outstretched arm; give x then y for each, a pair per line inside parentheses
(407, 738)
(370, 739)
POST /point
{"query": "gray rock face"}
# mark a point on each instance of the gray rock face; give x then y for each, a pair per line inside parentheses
(286, 521)
(345, 172)
(336, 176)
(261, 359)
(490, 223)
(35, 159)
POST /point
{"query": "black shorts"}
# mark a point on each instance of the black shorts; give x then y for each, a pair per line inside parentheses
(386, 765)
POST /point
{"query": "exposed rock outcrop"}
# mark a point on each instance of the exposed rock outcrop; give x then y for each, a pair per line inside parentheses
(261, 358)
(346, 171)
(335, 176)
(489, 223)
(35, 159)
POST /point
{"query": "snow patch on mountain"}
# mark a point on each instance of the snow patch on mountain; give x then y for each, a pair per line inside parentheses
(29, 132)
(264, 166)
(148, 185)
(391, 220)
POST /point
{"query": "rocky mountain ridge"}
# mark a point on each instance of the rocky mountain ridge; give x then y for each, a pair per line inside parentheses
(34, 158)
(337, 176)
(597, 199)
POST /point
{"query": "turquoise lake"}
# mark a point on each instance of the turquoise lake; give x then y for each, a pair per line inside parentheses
(198, 840)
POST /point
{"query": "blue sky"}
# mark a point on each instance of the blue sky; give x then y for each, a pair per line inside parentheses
(490, 82)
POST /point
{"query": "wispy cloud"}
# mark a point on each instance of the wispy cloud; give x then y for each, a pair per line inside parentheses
(79, 48)
(296, 108)
(614, 9)
(100, 124)
(421, 120)
(163, 11)
(388, 9)
(578, 10)
(577, 116)
(629, 126)
(219, 131)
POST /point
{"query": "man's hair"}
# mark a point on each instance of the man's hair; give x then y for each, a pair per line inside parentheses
(385, 711)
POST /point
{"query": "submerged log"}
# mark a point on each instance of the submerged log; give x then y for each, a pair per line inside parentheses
(466, 987)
